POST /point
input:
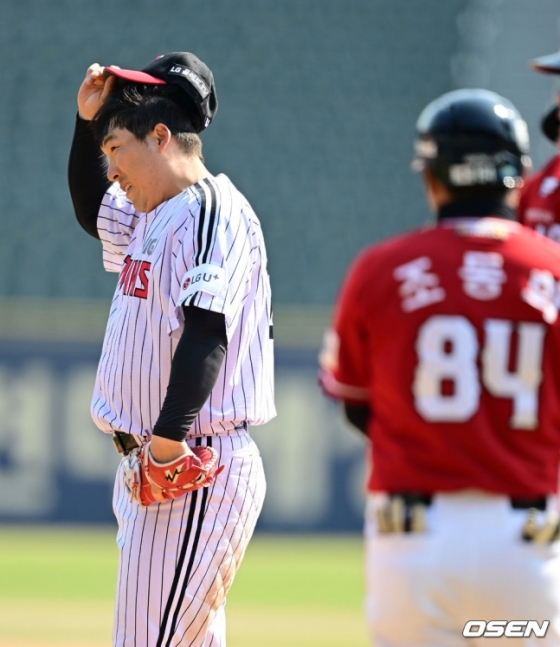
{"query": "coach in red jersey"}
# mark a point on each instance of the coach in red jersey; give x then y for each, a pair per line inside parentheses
(445, 350)
(539, 202)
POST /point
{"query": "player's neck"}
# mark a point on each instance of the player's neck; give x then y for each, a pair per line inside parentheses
(186, 172)
(177, 178)
(476, 207)
(180, 175)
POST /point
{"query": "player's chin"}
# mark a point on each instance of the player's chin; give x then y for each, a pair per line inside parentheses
(138, 203)
(141, 203)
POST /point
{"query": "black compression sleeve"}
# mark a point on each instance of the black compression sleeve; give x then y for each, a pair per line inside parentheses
(86, 176)
(358, 416)
(194, 371)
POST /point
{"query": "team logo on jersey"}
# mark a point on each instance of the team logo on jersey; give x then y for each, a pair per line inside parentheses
(149, 245)
(419, 287)
(134, 278)
(203, 278)
(548, 186)
(482, 275)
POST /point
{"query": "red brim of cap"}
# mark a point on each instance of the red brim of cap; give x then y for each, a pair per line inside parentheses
(549, 64)
(134, 75)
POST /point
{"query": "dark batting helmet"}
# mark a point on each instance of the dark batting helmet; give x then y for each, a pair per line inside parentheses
(550, 64)
(473, 141)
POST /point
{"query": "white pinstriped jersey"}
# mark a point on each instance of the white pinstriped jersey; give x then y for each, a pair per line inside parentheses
(204, 247)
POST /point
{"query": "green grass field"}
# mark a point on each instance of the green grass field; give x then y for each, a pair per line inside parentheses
(57, 585)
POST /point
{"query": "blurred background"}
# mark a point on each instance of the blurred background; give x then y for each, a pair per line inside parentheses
(318, 101)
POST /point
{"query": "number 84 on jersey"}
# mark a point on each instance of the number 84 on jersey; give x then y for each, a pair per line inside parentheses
(448, 348)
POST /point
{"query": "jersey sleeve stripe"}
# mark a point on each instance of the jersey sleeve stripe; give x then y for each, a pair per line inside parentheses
(206, 227)
(209, 236)
(200, 233)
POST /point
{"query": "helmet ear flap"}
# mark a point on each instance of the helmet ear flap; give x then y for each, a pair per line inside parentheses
(550, 124)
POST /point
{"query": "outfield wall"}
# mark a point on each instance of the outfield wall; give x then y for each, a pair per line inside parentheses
(318, 101)
(56, 466)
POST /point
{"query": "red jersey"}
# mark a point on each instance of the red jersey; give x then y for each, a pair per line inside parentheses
(451, 335)
(539, 203)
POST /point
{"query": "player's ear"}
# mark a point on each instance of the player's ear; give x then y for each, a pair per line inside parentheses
(162, 135)
(429, 179)
(436, 193)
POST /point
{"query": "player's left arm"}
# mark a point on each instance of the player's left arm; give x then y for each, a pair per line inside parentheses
(206, 297)
(195, 368)
(166, 467)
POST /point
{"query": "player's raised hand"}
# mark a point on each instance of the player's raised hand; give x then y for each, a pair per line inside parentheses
(94, 90)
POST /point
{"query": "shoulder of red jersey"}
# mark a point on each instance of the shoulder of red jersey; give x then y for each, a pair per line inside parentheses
(551, 168)
(546, 247)
(379, 259)
(398, 248)
(537, 193)
(380, 252)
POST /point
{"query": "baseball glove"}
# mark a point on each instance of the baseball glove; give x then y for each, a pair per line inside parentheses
(176, 478)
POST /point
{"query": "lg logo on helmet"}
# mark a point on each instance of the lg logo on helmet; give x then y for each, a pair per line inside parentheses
(511, 629)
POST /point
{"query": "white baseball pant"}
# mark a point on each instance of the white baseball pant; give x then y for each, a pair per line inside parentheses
(469, 564)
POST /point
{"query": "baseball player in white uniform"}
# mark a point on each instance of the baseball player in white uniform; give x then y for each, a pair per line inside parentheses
(187, 360)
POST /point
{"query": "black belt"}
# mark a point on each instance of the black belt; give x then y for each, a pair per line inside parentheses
(411, 498)
(538, 503)
(124, 443)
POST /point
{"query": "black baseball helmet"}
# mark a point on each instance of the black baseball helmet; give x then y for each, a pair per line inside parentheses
(472, 141)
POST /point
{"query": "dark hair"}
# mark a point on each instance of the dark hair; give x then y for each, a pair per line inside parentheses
(139, 108)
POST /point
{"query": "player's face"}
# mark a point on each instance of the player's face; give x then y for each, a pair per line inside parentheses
(134, 164)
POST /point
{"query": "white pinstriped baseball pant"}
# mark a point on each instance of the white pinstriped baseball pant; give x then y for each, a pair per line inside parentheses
(178, 559)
